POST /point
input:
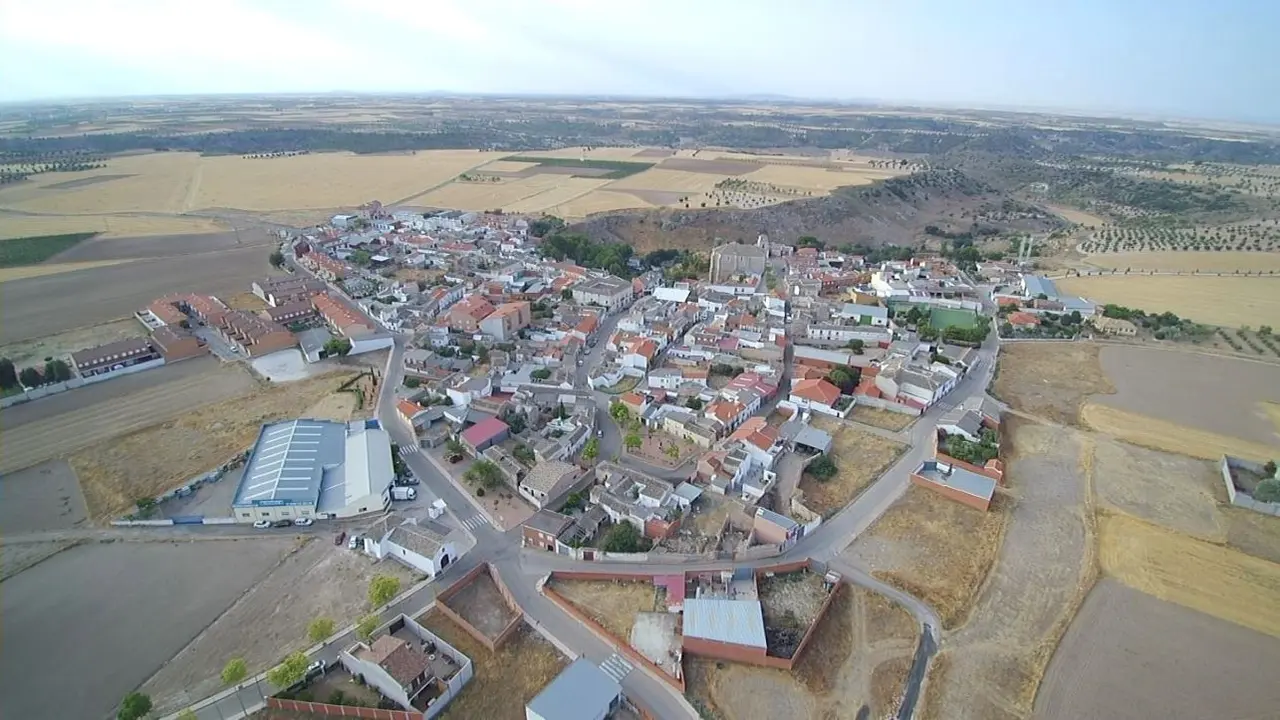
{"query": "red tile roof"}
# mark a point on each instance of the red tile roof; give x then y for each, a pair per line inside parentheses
(817, 391)
(408, 408)
(1022, 318)
(484, 431)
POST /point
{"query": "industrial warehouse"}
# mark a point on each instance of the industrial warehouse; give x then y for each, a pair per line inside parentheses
(315, 469)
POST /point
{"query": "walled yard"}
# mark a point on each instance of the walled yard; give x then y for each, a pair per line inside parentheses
(504, 680)
(270, 620)
(480, 603)
(149, 599)
(612, 603)
(1193, 665)
(62, 424)
(885, 419)
(859, 657)
(860, 456)
(1050, 380)
(146, 463)
(700, 530)
(790, 602)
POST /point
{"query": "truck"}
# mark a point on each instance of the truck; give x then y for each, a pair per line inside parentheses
(404, 493)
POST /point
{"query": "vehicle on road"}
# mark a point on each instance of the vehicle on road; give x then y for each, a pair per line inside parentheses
(340, 538)
(600, 433)
(262, 524)
(281, 523)
(315, 669)
(406, 480)
(303, 522)
(403, 493)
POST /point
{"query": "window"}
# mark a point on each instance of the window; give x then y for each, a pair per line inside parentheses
(246, 515)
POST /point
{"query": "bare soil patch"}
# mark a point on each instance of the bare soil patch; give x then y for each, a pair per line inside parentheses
(790, 604)
(33, 433)
(860, 456)
(270, 620)
(41, 498)
(1171, 490)
(148, 462)
(883, 419)
(26, 272)
(506, 680)
(82, 182)
(1158, 434)
(653, 153)
(1209, 393)
(1252, 533)
(612, 603)
(714, 167)
(246, 301)
(1193, 665)
(480, 603)
(34, 351)
(1050, 380)
(162, 246)
(14, 558)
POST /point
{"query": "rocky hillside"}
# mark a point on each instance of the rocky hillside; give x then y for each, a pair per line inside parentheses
(893, 212)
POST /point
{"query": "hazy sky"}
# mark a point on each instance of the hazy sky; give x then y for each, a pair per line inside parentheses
(1205, 58)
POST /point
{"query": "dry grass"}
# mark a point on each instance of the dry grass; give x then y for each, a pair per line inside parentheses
(35, 351)
(12, 226)
(860, 456)
(1171, 490)
(1252, 532)
(612, 603)
(958, 546)
(1079, 217)
(884, 419)
(116, 472)
(1172, 261)
(505, 680)
(886, 620)
(1225, 301)
(681, 181)
(246, 301)
(1149, 432)
(1050, 380)
(1215, 580)
(818, 180)
(888, 681)
(930, 706)
(31, 271)
(155, 182)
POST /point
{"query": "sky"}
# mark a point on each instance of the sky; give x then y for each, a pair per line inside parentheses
(1215, 59)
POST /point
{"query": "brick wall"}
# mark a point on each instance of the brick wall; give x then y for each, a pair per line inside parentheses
(492, 643)
(949, 492)
(994, 468)
(341, 710)
(726, 651)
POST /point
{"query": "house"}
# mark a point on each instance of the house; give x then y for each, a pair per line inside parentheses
(176, 343)
(966, 423)
(610, 292)
(398, 669)
(115, 356)
(761, 441)
(341, 317)
(581, 691)
(770, 528)
(469, 389)
(818, 396)
(252, 335)
(548, 481)
(649, 504)
(289, 312)
(543, 529)
(286, 290)
(730, 260)
(1114, 326)
(865, 314)
(487, 432)
(1022, 319)
(506, 320)
(465, 315)
(956, 483)
(422, 545)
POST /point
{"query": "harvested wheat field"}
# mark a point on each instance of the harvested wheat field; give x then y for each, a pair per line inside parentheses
(1188, 261)
(114, 473)
(506, 166)
(595, 153)
(859, 657)
(597, 201)
(566, 191)
(12, 226)
(33, 271)
(1225, 301)
(1050, 380)
(504, 680)
(819, 180)
(153, 182)
(680, 181)
(487, 196)
(1149, 432)
(860, 456)
(612, 603)
(1215, 580)
(1175, 491)
(1079, 217)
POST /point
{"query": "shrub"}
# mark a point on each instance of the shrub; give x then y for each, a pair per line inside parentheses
(823, 468)
(1267, 491)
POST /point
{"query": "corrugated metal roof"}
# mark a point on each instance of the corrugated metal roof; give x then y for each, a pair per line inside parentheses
(740, 622)
(581, 692)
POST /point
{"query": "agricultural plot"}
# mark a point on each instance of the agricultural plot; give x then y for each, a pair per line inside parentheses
(114, 225)
(1051, 380)
(37, 249)
(586, 167)
(1226, 301)
(1230, 261)
(598, 201)
(25, 272)
(676, 181)
(29, 352)
(1172, 490)
(507, 194)
(818, 180)
(1236, 237)
(41, 498)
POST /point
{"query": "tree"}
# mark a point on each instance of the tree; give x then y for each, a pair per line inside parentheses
(337, 347)
(823, 468)
(360, 257)
(845, 378)
(382, 588)
(619, 412)
(276, 259)
(1267, 491)
(365, 627)
(624, 538)
(525, 454)
(412, 382)
(8, 375)
(454, 449)
(540, 374)
(484, 473)
(694, 403)
(319, 629)
(632, 441)
(591, 450)
(233, 673)
(134, 706)
(566, 294)
(290, 670)
(856, 346)
(673, 452)
(31, 377)
(1269, 468)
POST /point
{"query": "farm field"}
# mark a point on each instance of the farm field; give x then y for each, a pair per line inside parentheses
(860, 457)
(41, 498)
(1051, 380)
(157, 457)
(1215, 580)
(598, 201)
(1226, 675)
(270, 620)
(97, 413)
(113, 225)
(34, 271)
(39, 306)
(34, 351)
(1225, 301)
(1186, 261)
(819, 180)
(149, 600)
(1079, 217)
(507, 194)
(16, 252)
(1150, 432)
(858, 658)
(1172, 490)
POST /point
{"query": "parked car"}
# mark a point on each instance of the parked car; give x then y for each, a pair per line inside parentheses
(354, 542)
(281, 523)
(315, 670)
(340, 538)
(600, 433)
(262, 524)
(303, 522)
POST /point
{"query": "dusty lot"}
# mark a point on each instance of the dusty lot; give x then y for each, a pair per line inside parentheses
(481, 604)
(1213, 394)
(34, 433)
(505, 680)
(1193, 665)
(1172, 490)
(859, 657)
(39, 498)
(1226, 301)
(1051, 380)
(1210, 578)
(270, 620)
(860, 457)
(148, 601)
(145, 463)
(1205, 262)
(884, 419)
(39, 306)
(33, 352)
(612, 603)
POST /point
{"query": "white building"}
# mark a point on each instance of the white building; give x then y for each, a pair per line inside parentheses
(422, 545)
(610, 292)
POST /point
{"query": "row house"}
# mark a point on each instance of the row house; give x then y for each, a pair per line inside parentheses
(287, 290)
(114, 356)
(341, 317)
(465, 316)
(289, 312)
(253, 335)
(323, 266)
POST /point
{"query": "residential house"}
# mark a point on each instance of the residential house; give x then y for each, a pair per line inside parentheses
(422, 545)
(398, 669)
(544, 529)
(506, 320)
(548, 482)
(176, 343)
(467, 390)
(650, 504)
(770, 528)
(465, 316)
(611, 292)
(818, 396)
(864, 314)
(761, 441)
(956, 483)
(114, 356)
(253, 335)
(483, 434)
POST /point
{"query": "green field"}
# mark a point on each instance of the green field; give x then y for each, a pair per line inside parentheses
(37, 249)
(946, 317)
(617, 168)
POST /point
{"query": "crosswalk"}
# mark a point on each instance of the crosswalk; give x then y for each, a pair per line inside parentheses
(410, 449)
(616, 667)
(474, 522)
